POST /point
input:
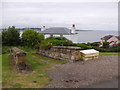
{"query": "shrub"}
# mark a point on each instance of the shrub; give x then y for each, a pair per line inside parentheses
(45, 45)
(112, 49)
(54, 41)
(30, 38)
(82, 46)
(59, 41)
(94, 44)
(105, 44)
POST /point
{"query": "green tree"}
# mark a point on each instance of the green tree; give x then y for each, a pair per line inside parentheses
(105, 44)
(31, 38)
(11, 37)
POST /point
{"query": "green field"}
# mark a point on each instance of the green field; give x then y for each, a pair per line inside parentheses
(37, 79)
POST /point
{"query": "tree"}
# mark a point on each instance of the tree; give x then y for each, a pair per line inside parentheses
(105, 44)
(31, 38)
(10, 37)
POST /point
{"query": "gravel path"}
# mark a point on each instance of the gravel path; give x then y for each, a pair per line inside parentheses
(82, 74)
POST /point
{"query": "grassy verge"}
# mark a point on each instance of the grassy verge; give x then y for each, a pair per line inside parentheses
(37, 79)
(50, 60)
(109, 53)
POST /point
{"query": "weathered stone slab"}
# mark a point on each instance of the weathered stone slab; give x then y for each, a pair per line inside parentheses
(18, 61)
(89, 54)
(19, 55)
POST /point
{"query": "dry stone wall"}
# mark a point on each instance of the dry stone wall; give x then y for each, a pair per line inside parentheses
(18, 60)
(67, 53)
(19, 55)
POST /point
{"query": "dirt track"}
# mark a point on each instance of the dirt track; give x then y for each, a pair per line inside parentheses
(83, 74)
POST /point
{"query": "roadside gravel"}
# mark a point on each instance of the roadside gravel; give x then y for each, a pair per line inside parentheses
(82, 74)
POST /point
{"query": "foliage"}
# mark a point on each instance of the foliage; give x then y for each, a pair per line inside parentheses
(94, 44)
(59, 41)
(45, 45)
(105, 44)
(30, 38)
(111, 49)
(10, 37)
(0, 43)
(83, 46)
(55, 41)
(37, 79)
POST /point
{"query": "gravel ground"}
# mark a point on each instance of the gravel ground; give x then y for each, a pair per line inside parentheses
(82, 74)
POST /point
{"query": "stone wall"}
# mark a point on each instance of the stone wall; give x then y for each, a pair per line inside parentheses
(18, 61)
(62, 52)
(19, 55)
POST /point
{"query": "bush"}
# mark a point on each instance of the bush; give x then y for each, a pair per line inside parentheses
(54, 41)
(94, 44)
(59, 41)
(45, 45)
(105, 44)
(83, 46)
(112, 49)
(31, 38)
(10, 37)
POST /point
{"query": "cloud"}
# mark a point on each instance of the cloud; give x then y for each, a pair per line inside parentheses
(60, 0)
(91, 15)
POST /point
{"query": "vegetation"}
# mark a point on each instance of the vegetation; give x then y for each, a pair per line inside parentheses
(10, 37)
(55, 41)
(105, 44)
(59, 41)
(30, 38)
(94, 44)
(0, 43)
(83, 46)
(37, 79)
(110, 49)
(109, 53)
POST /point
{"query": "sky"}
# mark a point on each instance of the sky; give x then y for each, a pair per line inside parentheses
(85, 14)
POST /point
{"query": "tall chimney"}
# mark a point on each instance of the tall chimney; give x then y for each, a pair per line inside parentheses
(43, 28)
(73, 28)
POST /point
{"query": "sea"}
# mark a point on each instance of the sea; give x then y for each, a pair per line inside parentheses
(87, 36)
(90, 36)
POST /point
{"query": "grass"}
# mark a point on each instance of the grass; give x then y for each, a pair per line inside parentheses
(0, 70)
(109, 53)
(51, 60)
(37, 79)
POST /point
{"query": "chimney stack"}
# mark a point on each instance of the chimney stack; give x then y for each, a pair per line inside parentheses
(43, 28)
(73, 29)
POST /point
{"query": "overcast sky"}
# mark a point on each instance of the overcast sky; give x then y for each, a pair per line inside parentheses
(92, 15)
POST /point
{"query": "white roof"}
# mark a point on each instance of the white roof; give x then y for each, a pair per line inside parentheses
(89, 51)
